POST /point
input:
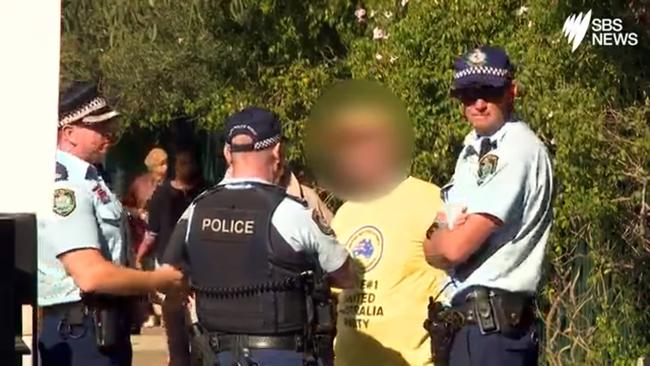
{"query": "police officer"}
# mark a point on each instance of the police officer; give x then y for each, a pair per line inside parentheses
(249, 248)
(492, 236)
(81, 246)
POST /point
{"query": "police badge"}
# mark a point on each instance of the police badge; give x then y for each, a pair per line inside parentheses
(64, 202)
(486, 166)
(476, 58)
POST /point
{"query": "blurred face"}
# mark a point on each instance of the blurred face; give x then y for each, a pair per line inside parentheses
(185, 166)
(487, 108)
(91, 141)
(160, 167)
(364, 148)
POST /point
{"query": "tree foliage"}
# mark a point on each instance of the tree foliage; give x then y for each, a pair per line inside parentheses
(200, 60)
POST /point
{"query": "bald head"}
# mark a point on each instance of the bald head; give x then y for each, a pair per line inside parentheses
(263, 164)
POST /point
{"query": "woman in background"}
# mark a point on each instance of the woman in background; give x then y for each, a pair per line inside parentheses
(136, 202)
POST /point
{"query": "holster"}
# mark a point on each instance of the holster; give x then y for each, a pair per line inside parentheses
(321, 318)
(201, 351)
(108, 315)
(442, 324)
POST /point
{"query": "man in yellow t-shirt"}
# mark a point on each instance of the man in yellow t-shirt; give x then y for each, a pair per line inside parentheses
(360, 142)
(380, 323)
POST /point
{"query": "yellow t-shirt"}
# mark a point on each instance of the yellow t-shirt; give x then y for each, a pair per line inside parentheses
(380, 323)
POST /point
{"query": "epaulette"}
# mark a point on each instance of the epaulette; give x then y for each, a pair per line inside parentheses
(300, 200)
(92, 173)
(61, 172)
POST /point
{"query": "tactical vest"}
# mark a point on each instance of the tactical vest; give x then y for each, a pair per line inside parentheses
(245, 275)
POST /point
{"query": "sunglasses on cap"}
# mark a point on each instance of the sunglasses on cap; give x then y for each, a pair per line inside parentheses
(489, 94)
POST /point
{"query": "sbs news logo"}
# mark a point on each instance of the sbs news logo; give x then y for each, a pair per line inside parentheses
(604, 31)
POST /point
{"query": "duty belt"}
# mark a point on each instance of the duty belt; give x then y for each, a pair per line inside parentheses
(233, 342)
(495, 311)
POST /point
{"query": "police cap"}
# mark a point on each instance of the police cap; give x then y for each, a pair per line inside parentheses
(483, 67)
(81, 102)
(261, 125)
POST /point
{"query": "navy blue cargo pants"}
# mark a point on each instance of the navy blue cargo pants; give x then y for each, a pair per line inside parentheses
(471, 348)
(60, 344)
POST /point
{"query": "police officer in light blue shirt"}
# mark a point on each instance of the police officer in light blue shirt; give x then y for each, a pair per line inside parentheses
(81, 245)
(492, 236)
(246, 244)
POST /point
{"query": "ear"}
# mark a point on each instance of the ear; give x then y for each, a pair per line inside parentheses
(277, 151)
(227, 154)
(514, 89)
(66, 133)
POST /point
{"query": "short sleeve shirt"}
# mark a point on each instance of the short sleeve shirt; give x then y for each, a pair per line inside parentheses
(292, 220)
(85, 214)
(514, 183)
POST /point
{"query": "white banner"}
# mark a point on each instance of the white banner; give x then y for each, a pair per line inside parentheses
(29, 89)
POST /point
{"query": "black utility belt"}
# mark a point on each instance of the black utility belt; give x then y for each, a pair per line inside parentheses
(495, 311)
(235, 342)
(72, 310)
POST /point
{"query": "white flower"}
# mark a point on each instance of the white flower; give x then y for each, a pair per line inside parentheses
(404, 2)
(521, 11)
(378, 56)
(372, 13)
(360, 14)
(550, 114)
(180, 40)
(388, 14)
(392, 59)
(378, 34)
(530, 23)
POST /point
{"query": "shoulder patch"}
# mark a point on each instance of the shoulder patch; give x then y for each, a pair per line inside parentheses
(61, 172)
(487, 165)
(64, 202)
(320, 222)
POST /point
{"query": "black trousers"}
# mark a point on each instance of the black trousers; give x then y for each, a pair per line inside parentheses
(471, 348)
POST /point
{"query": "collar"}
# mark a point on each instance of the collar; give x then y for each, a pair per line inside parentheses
(75, 164)
(238, 181)
(472, 142)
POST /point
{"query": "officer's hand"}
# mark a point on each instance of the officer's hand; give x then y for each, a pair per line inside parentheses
(191, 307)
(168, 277)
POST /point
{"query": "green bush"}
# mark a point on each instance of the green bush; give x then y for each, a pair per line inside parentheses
(165, 61)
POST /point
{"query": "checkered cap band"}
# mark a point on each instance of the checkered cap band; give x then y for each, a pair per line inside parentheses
(90, 107)
(266, 143)
(481, 70)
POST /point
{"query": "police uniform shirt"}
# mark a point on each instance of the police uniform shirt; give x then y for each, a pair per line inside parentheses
(512, 182)
(85, 214)
(292, 220)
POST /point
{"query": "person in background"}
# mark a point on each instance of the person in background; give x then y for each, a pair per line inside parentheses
(136, 204)
(166, 206)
